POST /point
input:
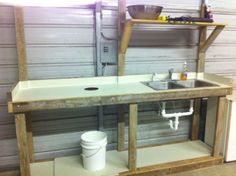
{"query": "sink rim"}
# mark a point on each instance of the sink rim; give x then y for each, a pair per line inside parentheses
(180, 86)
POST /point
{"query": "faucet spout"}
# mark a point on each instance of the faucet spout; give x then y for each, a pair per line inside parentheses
(171, 73)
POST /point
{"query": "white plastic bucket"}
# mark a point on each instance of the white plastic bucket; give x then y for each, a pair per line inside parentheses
(93, 145)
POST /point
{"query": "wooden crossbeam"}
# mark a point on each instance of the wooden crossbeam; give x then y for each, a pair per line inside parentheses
(211, 38)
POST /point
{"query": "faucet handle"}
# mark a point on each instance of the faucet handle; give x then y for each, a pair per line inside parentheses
(171, 70)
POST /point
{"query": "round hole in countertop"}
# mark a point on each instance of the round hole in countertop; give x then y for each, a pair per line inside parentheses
(91, 88)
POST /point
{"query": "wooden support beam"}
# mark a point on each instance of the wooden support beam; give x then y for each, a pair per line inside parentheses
(30, 138)
(123, 48)
(219, 126)
(22, 143)
(175, 167)
(22, 66)
(133, 116)
(211, 38)
(121, 72)
(196, 119)
(200, 68)
(121, 128)
(20, 43)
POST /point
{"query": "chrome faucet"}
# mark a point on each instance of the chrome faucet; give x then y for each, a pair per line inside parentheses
(171, 73)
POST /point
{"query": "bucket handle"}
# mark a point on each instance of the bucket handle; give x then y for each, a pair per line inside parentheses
(89, 156)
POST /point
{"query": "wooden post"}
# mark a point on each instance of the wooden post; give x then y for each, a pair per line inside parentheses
(121, 111)
(20, 43)
(133, 116)
(200, 68)
(123, 47)
(121, 128)
(196, 119)
(22, 65)
(219, 126)
(22, 144)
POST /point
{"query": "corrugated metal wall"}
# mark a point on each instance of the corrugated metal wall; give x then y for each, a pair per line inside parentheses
(61, 44)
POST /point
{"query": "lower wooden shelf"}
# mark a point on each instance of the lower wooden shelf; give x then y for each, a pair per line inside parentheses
(164, 159)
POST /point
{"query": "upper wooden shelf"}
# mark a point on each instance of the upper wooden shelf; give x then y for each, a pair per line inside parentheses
(141, 21)
(218, 27)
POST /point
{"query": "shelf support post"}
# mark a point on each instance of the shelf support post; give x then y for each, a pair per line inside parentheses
(121, 58)
(200, 68)
(219, 126)
(22, 143)
(133, 117)
(23, 71)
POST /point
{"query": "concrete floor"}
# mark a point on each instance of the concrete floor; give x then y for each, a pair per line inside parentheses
(228, 169)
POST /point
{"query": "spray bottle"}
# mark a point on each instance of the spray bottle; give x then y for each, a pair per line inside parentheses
(184, 74)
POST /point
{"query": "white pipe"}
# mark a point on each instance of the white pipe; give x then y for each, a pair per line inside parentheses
(176, 115)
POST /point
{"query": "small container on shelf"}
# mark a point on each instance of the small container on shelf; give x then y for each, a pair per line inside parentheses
(184, 74)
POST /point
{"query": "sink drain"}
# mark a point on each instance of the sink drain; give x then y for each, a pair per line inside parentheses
(91, 88)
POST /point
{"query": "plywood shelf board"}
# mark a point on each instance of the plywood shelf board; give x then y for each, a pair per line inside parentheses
(42, 169)
(141, 21)
(117, 162)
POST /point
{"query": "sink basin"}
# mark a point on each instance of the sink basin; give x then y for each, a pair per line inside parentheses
(178, 84)
(163, 85)
(195, 83)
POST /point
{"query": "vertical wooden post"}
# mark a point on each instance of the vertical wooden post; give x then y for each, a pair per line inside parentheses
(133, 117)
(219, 126)
(121, 111)
(200, 68)
(20, 43)
(30, 138)
(22, 144)
(196, 119)
(121, 128)
(22, 65)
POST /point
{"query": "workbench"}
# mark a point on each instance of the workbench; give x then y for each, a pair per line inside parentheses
(36, 95)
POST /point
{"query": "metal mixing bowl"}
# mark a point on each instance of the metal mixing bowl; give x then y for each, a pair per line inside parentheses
(150, 12)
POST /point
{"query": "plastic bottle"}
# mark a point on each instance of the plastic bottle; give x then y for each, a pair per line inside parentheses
(184, 74)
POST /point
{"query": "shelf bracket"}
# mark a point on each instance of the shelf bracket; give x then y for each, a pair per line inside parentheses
(211, 38)
(123, 47)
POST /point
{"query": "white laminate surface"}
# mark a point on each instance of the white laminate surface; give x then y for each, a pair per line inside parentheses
(63, 92)
(118, 161)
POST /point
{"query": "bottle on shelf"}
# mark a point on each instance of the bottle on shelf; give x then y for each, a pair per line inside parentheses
(184, 74)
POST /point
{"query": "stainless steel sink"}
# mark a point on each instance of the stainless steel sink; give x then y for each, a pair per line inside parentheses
(178, 84)
(163, 85)
(193, 83)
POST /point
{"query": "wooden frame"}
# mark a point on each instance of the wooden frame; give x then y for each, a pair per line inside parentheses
(130, 23)
(23, 123)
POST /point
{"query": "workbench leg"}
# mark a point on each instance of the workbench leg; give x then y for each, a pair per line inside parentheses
(22, 144)
(133, 116)
(30, 138)
(121, 128)
(196, 119)
(219, 126)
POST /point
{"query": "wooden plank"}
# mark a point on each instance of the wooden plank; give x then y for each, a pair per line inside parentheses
(140, 21)
(133, 117)
(200, 68)
(121, 71)
(196, 119)
(219, 126)
(20, 43)
(30, 138)
(121, 128)
(175, 167)
(22, 144)
(211, 38)
(176, 94)
(123, 48)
